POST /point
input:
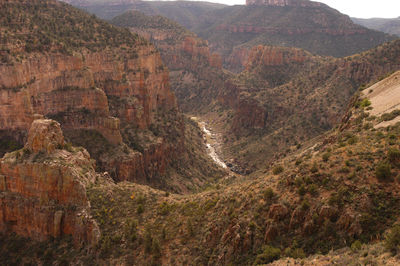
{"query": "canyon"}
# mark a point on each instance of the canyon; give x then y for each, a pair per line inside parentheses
(139, 142)
(119, 93)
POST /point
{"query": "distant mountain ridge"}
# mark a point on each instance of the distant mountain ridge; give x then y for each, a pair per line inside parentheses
(388, 25)
(303, 3)
(233, 30)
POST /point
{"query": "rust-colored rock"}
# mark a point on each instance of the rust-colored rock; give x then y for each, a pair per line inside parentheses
(349, 222)
(271, 231)
(237, 60)
(327, 212)
(215, 60)
(249, 115)
(276, 56)
(43, 188)
(101, 91)
(45, 136)
(297, 218)
(277, 212)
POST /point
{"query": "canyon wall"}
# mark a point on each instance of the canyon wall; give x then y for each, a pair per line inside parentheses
(196, 72)
(101, 91)
(276, 56)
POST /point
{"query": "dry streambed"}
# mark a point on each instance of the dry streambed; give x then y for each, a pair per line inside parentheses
(211, 142)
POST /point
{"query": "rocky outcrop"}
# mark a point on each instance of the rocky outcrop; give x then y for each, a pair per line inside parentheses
(43, 188)
(248, 115)
(276, 56)
(237, 60)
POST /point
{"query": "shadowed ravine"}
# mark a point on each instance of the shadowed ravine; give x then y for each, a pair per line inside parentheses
(211, 142)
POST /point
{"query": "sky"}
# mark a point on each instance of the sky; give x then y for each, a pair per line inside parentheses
(353, 8)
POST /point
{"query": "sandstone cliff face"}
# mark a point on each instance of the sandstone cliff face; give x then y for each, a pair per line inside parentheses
(43, 188)
(180, 51)
(249, 115)
(237, 60)
(196, 73)
(275, 56)
(103, 91)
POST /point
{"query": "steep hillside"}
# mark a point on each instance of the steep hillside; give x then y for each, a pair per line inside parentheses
(385, 98)
(287, 96)
(108, 88)
(195, 73)
(391, 26)
(341, 190)
(187, 13)
(316, 28)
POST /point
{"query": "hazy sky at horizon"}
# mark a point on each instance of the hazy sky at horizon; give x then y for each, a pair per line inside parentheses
(353, 8)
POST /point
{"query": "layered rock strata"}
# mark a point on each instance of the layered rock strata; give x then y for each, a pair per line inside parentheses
(102, 91)
(43, 188)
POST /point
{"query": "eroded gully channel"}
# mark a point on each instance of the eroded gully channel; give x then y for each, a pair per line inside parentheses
(213, 146)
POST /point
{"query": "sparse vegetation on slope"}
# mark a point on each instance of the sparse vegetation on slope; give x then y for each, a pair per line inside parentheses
(45, 26)
(312, 205)
(267, 121)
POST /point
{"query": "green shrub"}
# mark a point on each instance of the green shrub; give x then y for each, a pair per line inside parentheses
(314, 168)
(277, 170)
(140, 209)
(269, 194)
(390, 116)
(269, 255)
(302, 190)
(164, 208)
(383, 171)
(313, 189)
(305, 205)
(190, 228)
(344, 170)
(352, 140)
(394, 155)
(298, 253)
(326, 156)
(148, 240)
(365, 103)
(131, 230)
(356, 245)
(155, 248)
(392, 241)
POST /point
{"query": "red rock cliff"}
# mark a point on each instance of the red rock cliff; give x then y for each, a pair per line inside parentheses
(102, 91)
(43, 188)
(276, 56)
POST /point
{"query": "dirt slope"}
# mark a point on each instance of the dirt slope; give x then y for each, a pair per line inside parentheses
(385, 98)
